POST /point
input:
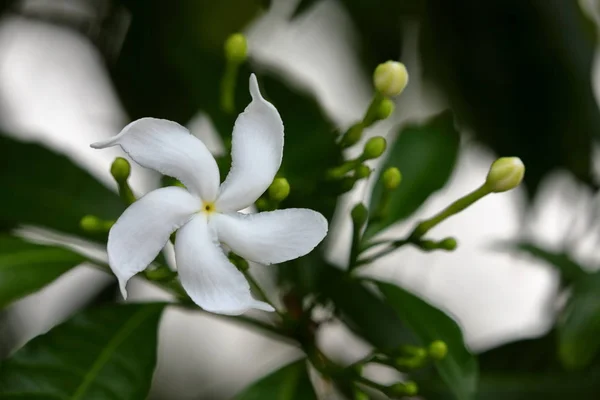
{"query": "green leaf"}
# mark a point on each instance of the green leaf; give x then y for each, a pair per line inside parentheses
(43, 188)
(364, 311)
(570, 271)
(425, 155)
(104, 353)
(527, 386)
(288, 383)
(459, 368)
(579, 325)
(27, 267)
(534, 87)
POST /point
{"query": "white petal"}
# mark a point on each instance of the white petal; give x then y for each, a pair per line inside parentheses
(207, 275)
(257, 148)
(272, 237)
(169, 148)
(144, 228)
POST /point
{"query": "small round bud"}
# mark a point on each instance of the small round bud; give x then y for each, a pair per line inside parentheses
(90, 223)
(385, 109)
(408, 388)
(390, 78)
(362, 171)
(360, 395)
(359, 214)
(353, 135)
(120, 169)
(236, 48)
(506, 173)
(279, 189)
(438, 350)
(391, 178)
(262, 204)
(374, 147)
(448, 244)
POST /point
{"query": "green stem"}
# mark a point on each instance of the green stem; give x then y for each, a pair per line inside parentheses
(126, 193)
(454, 208)
(228, 87)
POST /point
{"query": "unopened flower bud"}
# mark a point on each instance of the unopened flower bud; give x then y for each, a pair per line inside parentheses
(402, 389)
(362, 171)
(448, 244)
(506, 173)
(120, 169)
(374, 147)
(391, 178)
(438, 350)
(279, 189)
(390, 78)
(386, 108)
(359, 214)
(236, 48)
(352, 136)
(90, 223)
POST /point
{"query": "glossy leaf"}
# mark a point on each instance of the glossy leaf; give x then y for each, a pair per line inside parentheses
(27, 267)
(43, 188)
(518, 73)
(104, 353)
(364, 311)
(288, 383)
(459, 368)
(579, 326)
(425, 155)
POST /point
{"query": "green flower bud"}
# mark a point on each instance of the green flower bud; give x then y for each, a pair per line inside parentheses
(386, 108)
(359, 214)
(448, 244)
(262, 204)
(236, 48)
(362, 171)
(438, 350)
(91, 223)
(401, 389)
(391, 178)
(390, 78)
(353, 135)
(120, 169)
(374, 148)
(360, 395)
(506, 173)
(279, 189)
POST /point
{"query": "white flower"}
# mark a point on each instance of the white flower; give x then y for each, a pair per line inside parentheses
(205, 214)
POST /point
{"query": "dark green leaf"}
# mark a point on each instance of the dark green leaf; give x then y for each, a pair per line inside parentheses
(26, 267)
(527, 386)
(43, 188)
(519, 74)
(104, 353)
(363, 311)
(172, 60)
(459, 368)
(288, 383)
(425, 155)
(579, 326)
(570, 271)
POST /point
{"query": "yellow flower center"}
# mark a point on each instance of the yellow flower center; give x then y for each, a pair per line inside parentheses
(208, 207)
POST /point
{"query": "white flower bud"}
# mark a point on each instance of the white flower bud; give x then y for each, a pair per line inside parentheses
(506, 173)
(390, 78)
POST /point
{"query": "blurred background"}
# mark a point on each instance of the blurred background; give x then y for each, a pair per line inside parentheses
(520, 76)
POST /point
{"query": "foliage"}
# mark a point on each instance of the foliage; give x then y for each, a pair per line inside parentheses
(513, 88)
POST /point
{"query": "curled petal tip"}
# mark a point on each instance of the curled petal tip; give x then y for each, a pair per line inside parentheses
(103, 144)
(254, 90)
(122, 284)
